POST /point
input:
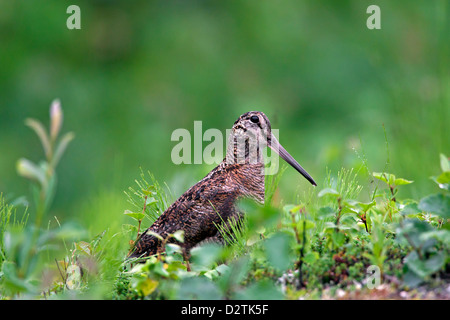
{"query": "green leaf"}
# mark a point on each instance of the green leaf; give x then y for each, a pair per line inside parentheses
(366, 206)
(158, 269)
(413, 229)
(330, 226)
(172, 248)
(379, 176)
(150, 201)
(252, 239)
(179, 235)
(311, 257)
(436, 203)
(445, 163)
(84, 247)
(401, 181)
(386, 177)
(348, 222)
(204, 256)
(290, 208)
(149, 191)
(198, 288)
(96, 241)
(427, 267)
(441, 235)
(326, 212)
(146, 286)
(258, 216)
(41, 133)
(11, 281)
(176, 269)
(128, 227)
(350, 210)
(444, 177)
(135, 215)
(261, 290)
(29, 170)
(435, 262)
(152, 187)
(443, 180)
(305, 223)
(156, 235)
(338, 238)
(278, 249)
(237, 271)
(61, 147)
(410, 278)
(328, 191)
(410, 209)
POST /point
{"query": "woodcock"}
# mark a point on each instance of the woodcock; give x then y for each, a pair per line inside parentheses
(212, 200)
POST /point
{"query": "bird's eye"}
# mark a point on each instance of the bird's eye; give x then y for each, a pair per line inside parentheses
(254, 119)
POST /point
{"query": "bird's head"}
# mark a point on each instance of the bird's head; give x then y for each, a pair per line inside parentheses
(250, 134)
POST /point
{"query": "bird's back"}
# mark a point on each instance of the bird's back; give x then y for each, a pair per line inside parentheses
(208, 203)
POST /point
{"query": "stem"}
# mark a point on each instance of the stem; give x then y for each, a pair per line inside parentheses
(339, 213)
(392, 188)
(363, 218)
(365, 225)
(140, 220)
(297, 238)
(300, 263)
(139, 226)
(60, 272)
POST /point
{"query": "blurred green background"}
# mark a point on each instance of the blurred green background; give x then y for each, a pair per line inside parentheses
(137, 70)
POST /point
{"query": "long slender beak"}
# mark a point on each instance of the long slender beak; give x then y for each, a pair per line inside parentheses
(278, 148)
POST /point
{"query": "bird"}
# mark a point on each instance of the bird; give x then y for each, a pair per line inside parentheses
(213, 200)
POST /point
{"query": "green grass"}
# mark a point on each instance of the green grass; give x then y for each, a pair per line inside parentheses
(348, 102)
(345, 236)
(311, 249)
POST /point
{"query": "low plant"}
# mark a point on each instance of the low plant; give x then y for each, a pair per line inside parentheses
(24, 245)
(330, 240)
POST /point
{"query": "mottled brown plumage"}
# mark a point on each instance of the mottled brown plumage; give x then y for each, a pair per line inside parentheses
(212, 200)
